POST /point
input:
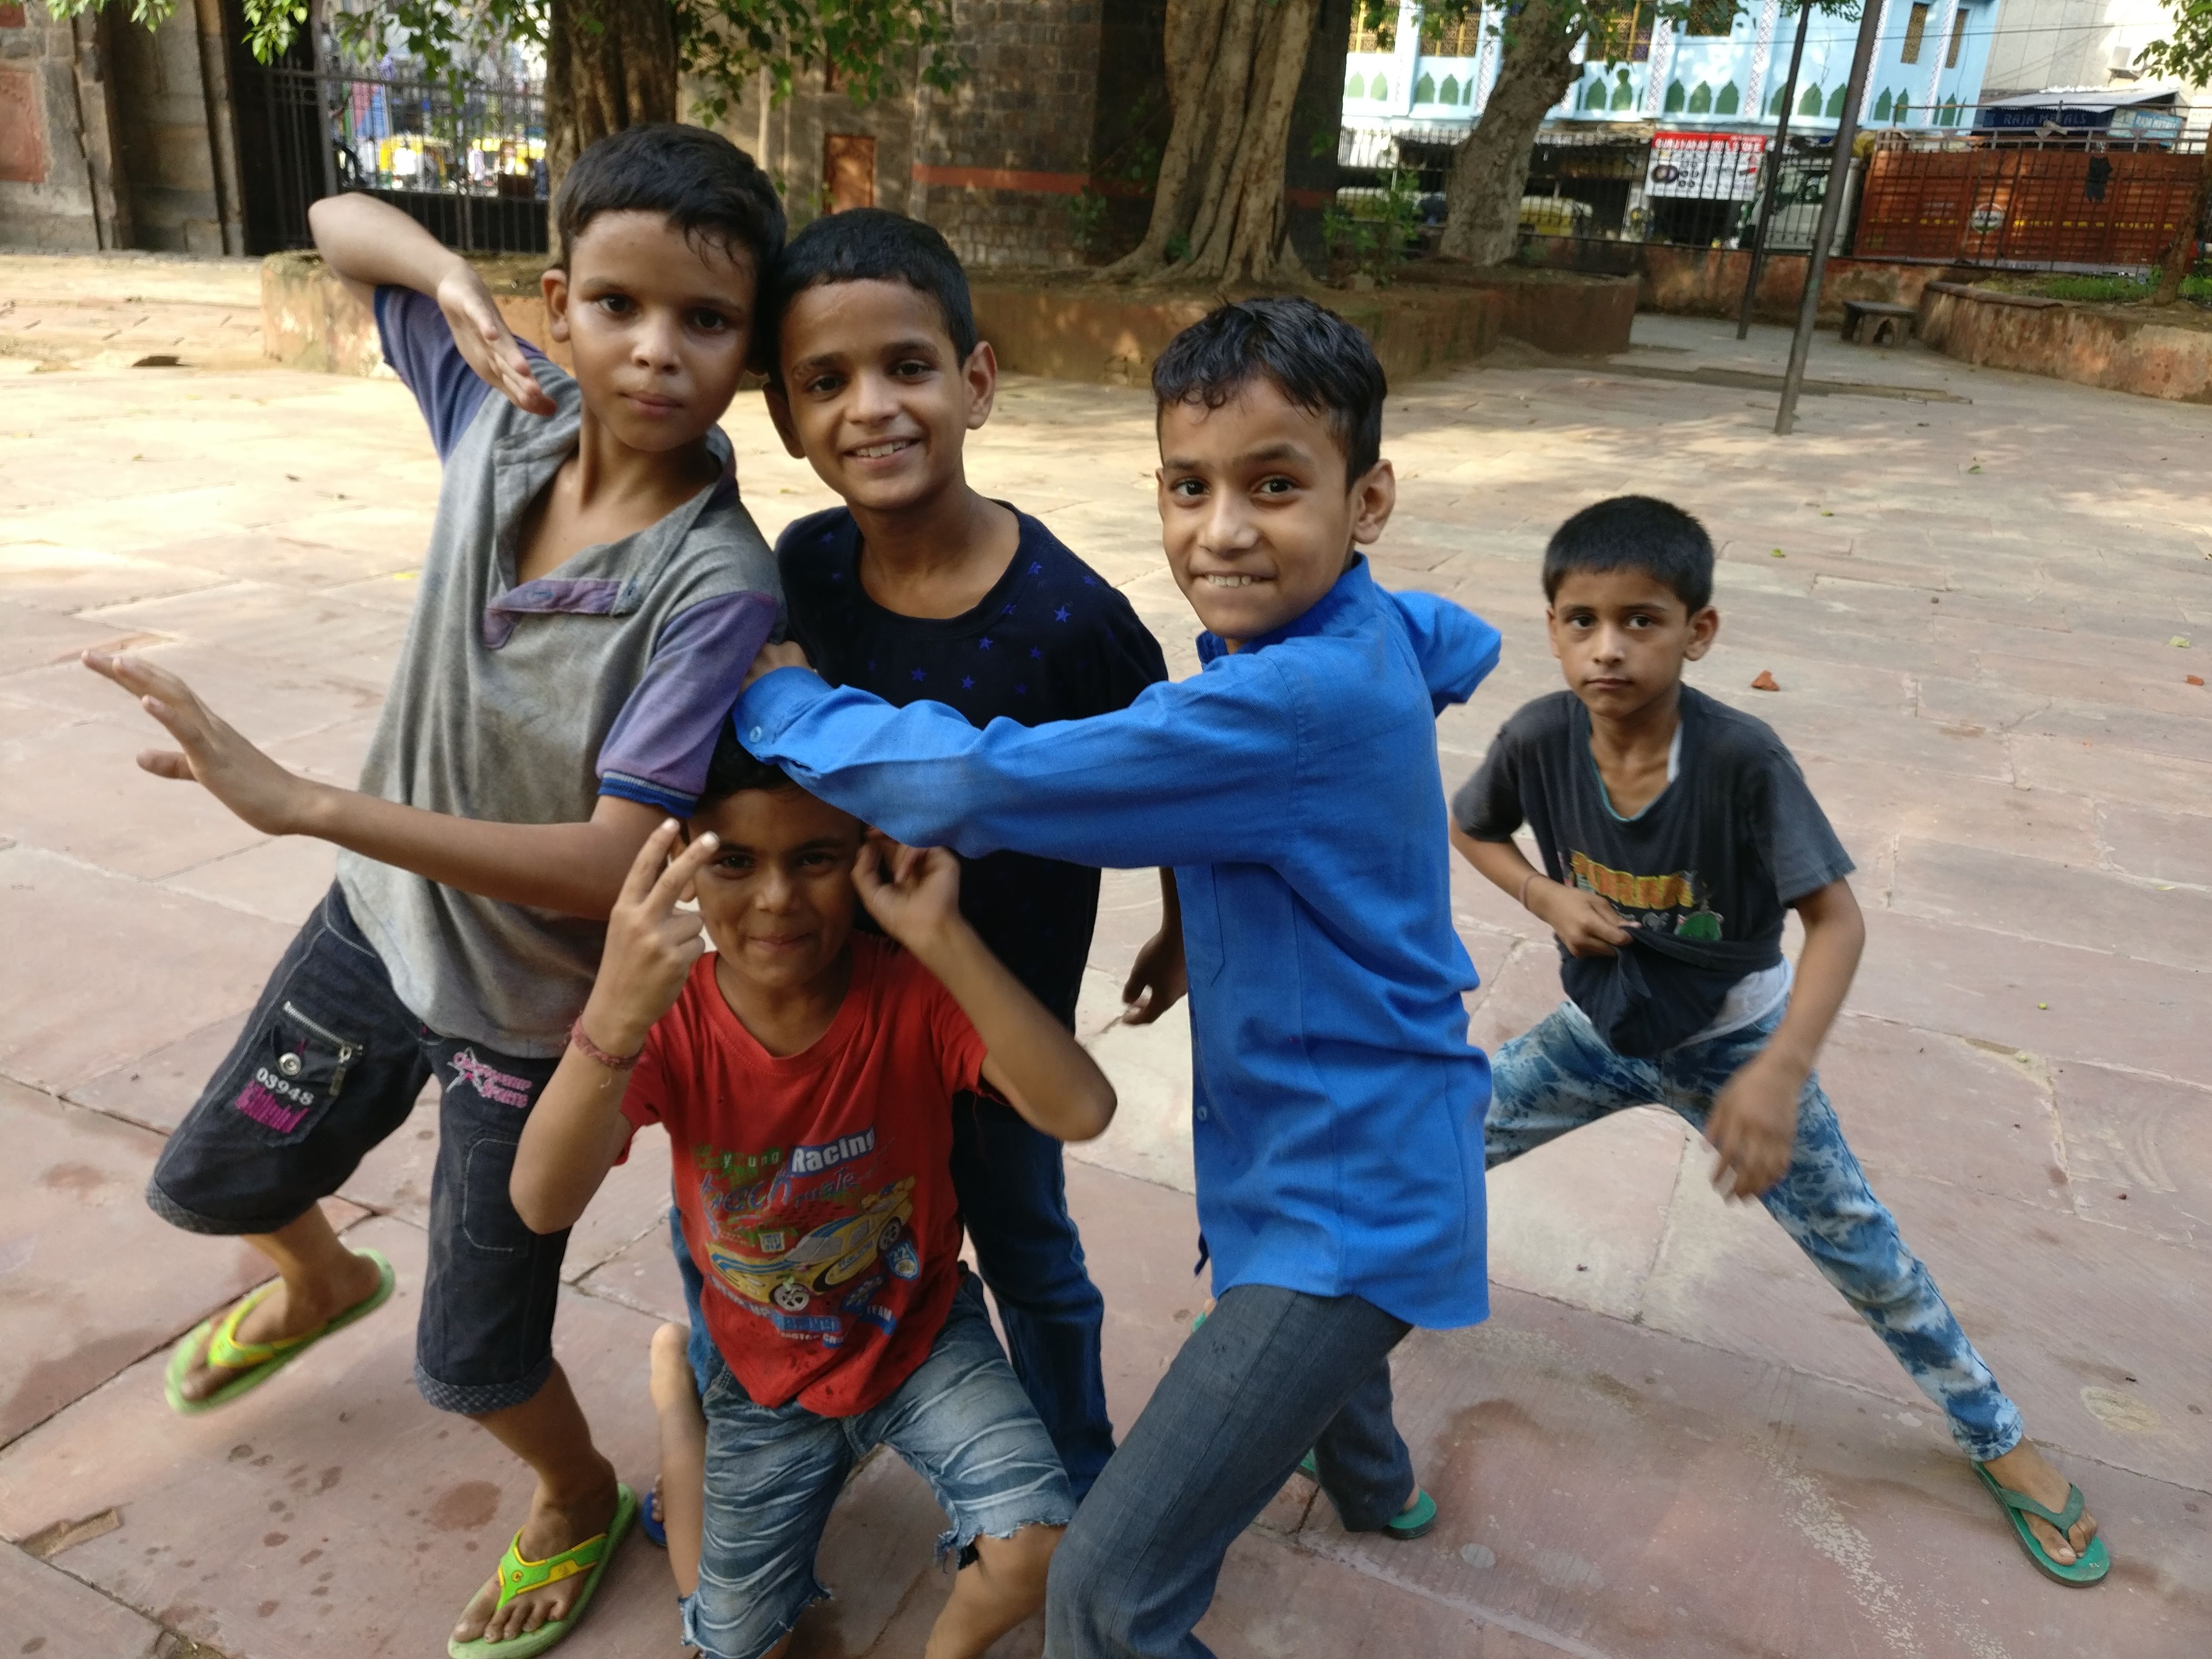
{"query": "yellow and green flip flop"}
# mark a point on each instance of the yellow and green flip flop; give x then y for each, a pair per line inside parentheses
(518, 1575)
(257, 1362)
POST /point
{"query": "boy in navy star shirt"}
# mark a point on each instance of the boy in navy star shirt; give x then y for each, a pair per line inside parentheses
(920, 587)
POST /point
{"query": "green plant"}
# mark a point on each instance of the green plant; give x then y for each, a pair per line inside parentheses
(1086, 215)
(1374, 233)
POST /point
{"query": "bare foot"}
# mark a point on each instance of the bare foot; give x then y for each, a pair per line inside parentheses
(553, 1526)
(2024, 1469)
(286, 1311)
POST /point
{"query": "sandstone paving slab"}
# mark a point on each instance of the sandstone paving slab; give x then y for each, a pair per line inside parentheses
(1580, 1220)
(2062, 903)
(263, 621)
(157, 1088)
(45, 1611)
(1517, 993)
(78, 789)
(2095, 1333)
(1866, 801)
(71, 1199)
(2029, 995)
(1150, 1066)
(2159, 846)
(1618, 1492)
(51, 576)
(2139, 1150)
(333, 753)
(282, 878)
(1917, 1103)
(2113, 772)
(31, 638)
(268, 701)
(144, 967)
(280, 1525)
(2177, 737)
(327, 567)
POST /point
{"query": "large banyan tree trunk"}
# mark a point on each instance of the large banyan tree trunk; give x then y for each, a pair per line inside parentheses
(608, 64)
(1233, 71)
(2174, 268)
(1482, 216)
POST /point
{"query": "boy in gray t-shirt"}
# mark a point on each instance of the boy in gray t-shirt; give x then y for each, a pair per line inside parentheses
(592, 594)
(1674, 831)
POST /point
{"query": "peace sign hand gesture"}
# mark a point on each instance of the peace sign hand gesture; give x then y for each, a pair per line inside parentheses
(651, 944)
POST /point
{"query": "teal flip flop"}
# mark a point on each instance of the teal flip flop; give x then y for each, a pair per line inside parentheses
(1402, 1527)
(257, 1362)
(2095, 1561)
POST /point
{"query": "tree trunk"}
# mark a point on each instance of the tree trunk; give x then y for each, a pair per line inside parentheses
(608, 64)
(2174, 269)
(1482, 219)
(1233, 72)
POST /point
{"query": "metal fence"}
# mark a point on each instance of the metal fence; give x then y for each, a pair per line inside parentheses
(2100, 191)
(464, 158)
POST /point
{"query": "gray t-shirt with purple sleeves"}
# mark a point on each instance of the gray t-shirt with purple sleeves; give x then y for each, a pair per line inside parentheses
(523, 704)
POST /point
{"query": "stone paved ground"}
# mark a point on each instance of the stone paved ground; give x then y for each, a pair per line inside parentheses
(1670, 1439)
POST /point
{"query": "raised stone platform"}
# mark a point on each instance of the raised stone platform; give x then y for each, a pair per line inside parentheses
(2119, 348)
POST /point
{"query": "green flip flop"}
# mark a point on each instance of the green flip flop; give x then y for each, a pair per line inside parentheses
(1402, 1527)
(257, 1362)
(518, 1575)
(2095, 1561)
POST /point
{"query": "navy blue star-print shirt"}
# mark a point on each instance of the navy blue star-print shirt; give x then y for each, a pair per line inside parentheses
(1052, 641)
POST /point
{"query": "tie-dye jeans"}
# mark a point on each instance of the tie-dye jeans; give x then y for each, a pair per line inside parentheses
(1562, 1075)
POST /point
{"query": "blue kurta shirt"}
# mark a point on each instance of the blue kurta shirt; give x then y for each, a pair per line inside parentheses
(1293, 785)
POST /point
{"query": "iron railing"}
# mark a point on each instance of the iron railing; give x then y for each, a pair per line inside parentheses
(464, 158)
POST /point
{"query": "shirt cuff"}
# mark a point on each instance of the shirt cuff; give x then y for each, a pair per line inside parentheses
(648, 795)
(773, 702)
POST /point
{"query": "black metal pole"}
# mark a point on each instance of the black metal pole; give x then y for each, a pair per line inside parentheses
(1839, 174)
(1774, 172)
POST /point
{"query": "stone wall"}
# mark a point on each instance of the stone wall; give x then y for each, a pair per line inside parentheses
(115, 135)
(2122, 348)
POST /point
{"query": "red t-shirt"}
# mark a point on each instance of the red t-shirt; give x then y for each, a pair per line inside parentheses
(817, 1189)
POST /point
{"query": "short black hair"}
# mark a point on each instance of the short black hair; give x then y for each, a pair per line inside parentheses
(706, 185)
(1635, 533)
(735, 768)
(873, 245)
(1315, 358)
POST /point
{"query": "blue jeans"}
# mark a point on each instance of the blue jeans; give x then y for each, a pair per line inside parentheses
(961, 1422)
(1271, 1373)
(329, 1065)
(1561, 1075)
(1013, 1201)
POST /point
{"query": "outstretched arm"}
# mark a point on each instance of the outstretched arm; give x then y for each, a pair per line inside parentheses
(576, 868)
(1754, 1122)
(1031, 1059)
(574, 1134)
(369, 244)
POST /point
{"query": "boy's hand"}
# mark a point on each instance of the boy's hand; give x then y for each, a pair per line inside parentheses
(262, 792)
(485, 342)
(777, 653)
(912, 892)
(1157, 979)
(1754, 1126)
(651, 944)
(1586, 924)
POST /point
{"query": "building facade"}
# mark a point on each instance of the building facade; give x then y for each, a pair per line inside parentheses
(1722, 68)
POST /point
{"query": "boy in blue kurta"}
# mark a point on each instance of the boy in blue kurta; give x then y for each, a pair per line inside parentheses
(1293, 786)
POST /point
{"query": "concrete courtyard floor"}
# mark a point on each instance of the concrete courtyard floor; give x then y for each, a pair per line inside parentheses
(1983, 602)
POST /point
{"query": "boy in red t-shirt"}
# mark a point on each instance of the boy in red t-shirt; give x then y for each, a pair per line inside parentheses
(806, 1074)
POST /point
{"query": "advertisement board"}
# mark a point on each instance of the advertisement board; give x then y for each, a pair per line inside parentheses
(1720, 167)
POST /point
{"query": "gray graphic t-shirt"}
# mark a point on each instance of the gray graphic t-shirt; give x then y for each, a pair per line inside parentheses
(523, 704)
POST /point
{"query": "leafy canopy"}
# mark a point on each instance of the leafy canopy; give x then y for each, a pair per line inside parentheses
(726, 43)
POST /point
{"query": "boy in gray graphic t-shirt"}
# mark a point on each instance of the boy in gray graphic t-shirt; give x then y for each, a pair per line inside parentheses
(592, 596)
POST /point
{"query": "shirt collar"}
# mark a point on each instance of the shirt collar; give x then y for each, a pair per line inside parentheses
(1354, 591)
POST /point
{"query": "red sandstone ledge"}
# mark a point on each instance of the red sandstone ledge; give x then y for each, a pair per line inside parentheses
(1439, 316)
(2153, 353)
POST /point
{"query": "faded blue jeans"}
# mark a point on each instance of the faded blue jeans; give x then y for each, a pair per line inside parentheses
(1561, 1075)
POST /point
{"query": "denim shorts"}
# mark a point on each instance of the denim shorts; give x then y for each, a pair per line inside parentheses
(329, 1065)
(961, 1421)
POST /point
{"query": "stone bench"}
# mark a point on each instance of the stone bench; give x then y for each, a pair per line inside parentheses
(1887, 320)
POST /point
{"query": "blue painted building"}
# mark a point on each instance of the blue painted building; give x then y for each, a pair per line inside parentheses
(1722, 69)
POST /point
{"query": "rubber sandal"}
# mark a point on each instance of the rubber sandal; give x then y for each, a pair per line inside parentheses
(257, 1362)
(2095, 1562)
(649, 1521)
(517, 1575)
(1416, 1523)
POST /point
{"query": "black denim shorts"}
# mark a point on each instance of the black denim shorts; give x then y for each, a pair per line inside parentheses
(329, 1065)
